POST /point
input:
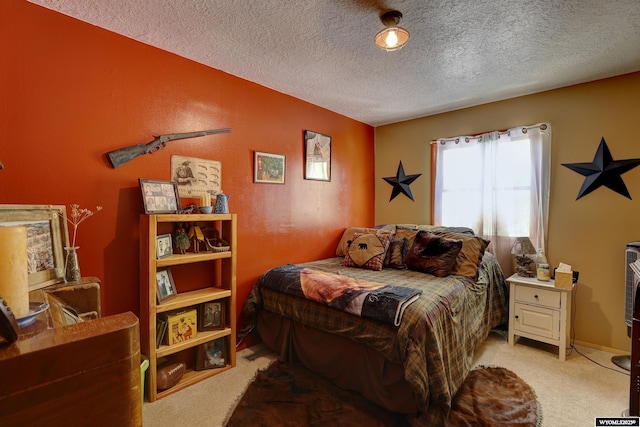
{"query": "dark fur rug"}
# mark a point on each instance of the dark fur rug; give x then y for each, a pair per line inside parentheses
(290, 395)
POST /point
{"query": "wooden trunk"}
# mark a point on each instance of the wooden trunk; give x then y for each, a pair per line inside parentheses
(78, 375)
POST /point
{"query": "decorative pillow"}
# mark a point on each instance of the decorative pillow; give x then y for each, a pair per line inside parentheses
(391, 228)
(470, 255)
(397, 253)
(409, 230)
(367, 251)
(429, 227)
(433, 254)
(410, 235)
(347, 236)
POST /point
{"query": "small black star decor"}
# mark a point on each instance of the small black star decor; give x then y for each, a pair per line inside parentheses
(603, 171)
(401, 182)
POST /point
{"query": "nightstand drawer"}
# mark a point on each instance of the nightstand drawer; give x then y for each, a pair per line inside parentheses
(545, 297)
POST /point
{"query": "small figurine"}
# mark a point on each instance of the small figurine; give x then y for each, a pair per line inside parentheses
(216, 241)
(182, 239)
(188, 209)
(196, 234)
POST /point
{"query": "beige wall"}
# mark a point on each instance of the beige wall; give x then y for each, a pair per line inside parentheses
(590, 233)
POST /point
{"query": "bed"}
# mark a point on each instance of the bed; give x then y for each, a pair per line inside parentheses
(413, 364)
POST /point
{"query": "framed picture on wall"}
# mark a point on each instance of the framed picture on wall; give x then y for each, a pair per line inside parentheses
(317, 156)
(159, 196)
(268, 168)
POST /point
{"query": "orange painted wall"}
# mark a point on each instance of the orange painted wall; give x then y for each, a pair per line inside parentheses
(72, 92)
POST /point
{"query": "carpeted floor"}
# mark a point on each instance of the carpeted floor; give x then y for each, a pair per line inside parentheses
(571, 393)
(289, 395)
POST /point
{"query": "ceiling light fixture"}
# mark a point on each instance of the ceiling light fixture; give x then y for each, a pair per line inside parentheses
(392, 37)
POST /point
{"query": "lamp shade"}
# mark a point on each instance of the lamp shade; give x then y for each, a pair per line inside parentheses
(522, 246)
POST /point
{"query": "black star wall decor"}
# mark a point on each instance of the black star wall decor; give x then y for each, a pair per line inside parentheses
(603, 171)
(401, 183)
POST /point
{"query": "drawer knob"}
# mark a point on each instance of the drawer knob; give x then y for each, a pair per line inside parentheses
(535, 296)
(516, 317)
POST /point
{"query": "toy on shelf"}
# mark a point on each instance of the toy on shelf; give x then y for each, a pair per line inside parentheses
(182, 239)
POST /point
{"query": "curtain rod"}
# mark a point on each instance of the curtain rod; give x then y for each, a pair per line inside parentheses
(467, 139)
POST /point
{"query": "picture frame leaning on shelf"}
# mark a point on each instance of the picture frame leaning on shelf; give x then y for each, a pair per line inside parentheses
(211, 316)
(211, 355)
(164, 247)
(165, 287)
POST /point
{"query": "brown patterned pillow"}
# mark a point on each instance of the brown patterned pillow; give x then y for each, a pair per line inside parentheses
(470, 255)
(410, 235)
(367, 251)
(433, 254)
(397, 253)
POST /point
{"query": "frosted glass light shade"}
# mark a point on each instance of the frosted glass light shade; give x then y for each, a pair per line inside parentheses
(392, 38)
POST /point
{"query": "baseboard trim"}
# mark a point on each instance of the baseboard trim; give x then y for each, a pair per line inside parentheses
(602, 347)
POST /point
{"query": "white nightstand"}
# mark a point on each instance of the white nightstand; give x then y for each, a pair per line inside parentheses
(540, 311)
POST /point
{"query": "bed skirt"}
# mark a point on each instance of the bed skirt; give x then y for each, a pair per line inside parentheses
(344, 362)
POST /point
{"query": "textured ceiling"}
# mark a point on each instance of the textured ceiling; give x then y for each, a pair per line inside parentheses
(461, 52)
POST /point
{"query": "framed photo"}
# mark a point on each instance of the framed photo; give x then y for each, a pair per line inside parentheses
(166, 289)
(163, 246)
(211, 355)
(211, 316)
(47, 236)
(317, 156)
(159, 196)
(268, 168)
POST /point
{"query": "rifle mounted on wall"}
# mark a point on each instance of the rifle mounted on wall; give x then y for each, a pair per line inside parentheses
(123, 155)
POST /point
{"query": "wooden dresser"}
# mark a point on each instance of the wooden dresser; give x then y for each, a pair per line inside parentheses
(77, 375)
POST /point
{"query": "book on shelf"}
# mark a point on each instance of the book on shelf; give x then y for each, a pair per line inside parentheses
(161, 328)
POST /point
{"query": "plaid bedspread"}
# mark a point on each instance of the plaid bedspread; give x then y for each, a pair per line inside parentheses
(438, 334)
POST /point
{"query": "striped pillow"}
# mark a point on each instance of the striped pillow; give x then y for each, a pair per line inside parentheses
(397, 253)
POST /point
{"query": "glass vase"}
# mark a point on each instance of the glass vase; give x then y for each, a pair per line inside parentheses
(71, 266)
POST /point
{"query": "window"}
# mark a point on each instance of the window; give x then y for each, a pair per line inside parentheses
(496, 183)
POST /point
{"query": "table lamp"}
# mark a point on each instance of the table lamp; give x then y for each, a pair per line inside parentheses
(522, 249)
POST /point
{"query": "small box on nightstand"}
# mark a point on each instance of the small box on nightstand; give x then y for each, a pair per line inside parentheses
(564, 279)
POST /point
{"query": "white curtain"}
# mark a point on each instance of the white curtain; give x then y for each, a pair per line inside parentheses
(498, 184)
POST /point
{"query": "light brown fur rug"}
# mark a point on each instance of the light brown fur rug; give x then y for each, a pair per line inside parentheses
(290, 395)
(494, 396)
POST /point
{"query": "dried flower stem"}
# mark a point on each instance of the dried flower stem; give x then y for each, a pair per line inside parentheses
(77, 216)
